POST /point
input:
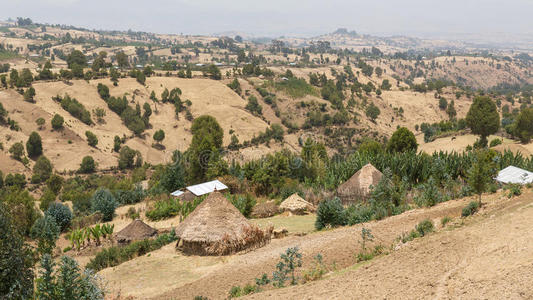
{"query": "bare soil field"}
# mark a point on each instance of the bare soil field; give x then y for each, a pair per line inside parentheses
(488, 257)
(438, 254)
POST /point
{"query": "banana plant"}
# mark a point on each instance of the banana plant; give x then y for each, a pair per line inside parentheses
(96, 233)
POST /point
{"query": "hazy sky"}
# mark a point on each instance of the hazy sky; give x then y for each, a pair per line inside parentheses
(284, 17)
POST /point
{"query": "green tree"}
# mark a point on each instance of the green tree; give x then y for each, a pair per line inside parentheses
(92, 140)
(55, 183)
(16, 263)
(57, 122)
(76, 57)
(29, 94)
(159, 135)
(61, 214)
(206, 142)
(443, 104)
(42, 170)
(34, 146)
(402, 140)
(26, 77)
(129, 158)
(46, 232)
(372, 112)
(104, 202)
(122, 60)
(253, 106)
(116, 143)
(523, 125)
(40, 122)
(214, 72)
(3, 114)
(452, 113)
(481, 173)
(483, 118)
(87, 165)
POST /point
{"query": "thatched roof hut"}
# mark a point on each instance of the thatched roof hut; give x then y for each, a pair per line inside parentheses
(358, 186)
(216, 227)
(135, 231)
(295, 204)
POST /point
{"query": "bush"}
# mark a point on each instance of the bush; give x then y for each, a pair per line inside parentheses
(424, 227)
(87, 165)
(330, 213)
(514, 190)
(495, 142)
(470, 209)
(61, 214)
(104, 202)
(114, 256)
(92, 140)
(130, 197)
(17, 151)
(358, 213)
(57, 122)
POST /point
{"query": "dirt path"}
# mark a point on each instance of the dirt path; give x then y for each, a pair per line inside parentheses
(336, 246)
(489, 258)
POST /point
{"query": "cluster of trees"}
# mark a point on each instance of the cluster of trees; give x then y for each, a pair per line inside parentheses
(75, 108)
(135, 119)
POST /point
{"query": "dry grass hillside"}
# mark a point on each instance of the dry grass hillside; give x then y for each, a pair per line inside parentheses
(66, 147)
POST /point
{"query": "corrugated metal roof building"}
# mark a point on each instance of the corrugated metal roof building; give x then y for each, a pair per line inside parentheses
(512, 174)
(202, 188)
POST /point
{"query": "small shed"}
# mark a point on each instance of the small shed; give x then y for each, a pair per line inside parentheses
(200, 189)
(514, 175)
(135, 231)
(296, 204)
(357, 188)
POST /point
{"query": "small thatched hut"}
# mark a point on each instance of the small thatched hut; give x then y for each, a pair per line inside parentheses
(216, 227)
(358, 186)
(296, 204)
(135, 231)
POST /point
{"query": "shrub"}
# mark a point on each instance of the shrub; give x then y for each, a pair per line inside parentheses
(87, 165)
(358, 213)
(116, 255)
(286, 267)
(316, 271)
(17, 151)
(372, 112)
(61, 214)
(495, 142)
(92, 140)
(514, 190)
(57, 122)
(253, 106)
(34, 146)
(130, 197)
(424, 227)
(445, 220)
(470, 209)
(330, 213)
(159, 135)
(104, 202)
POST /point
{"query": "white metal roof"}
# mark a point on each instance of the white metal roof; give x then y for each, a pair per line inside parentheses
(176, 193)
(206, 187)
(512, 174)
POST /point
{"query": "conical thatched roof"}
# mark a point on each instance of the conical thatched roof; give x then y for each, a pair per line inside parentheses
(136, 230)
(295, 203)
(214, 219)
(358, 186)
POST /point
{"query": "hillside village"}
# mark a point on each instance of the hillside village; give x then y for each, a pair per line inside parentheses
(166, 166)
